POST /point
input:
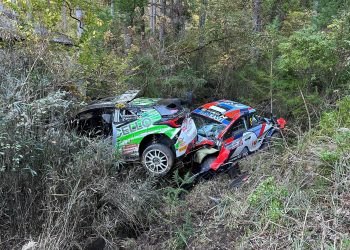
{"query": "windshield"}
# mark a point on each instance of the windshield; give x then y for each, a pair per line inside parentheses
(207, 127)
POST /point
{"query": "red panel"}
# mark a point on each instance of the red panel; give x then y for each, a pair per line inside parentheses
(229, 140)
(222, 157)
(281, 122)
(262, 129)
(208, 105)
(232, 113)
(205, 142)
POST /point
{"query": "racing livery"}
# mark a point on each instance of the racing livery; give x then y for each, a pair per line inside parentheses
(159, 132)
(155, 131)
(227, 131)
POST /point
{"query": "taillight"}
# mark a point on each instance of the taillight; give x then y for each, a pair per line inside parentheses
(281, 123)
(174, 123)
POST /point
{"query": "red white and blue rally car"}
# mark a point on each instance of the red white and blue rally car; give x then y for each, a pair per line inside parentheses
(228, 131)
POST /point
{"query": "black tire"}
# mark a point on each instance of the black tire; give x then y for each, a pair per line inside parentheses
(205, 165)
(206, 173)
(157, 159)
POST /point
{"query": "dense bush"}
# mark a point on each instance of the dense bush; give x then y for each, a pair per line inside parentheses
(56, 187)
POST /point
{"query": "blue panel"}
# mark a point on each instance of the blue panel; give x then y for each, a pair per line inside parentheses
(256, 130)
(226, 106)
(226, 122)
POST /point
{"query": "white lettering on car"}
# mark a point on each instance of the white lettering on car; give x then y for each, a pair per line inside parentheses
(134, 126)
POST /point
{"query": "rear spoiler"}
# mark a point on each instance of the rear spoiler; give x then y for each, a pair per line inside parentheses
(128, 96)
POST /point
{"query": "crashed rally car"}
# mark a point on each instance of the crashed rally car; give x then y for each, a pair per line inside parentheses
(228, 131)
(155, 131)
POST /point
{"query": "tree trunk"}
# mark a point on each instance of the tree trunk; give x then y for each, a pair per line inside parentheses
(257, 15)
(128, 31)
(162, 24)
(153, 16)
(305, 3)
(79, 15)
(64, 16)
(201, 39)
(112, 8)
(256, 26)
(315, 12)
(178, 17)
(202, 20)
(142, 25)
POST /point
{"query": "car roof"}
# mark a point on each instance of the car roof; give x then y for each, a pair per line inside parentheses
(224, 111)
(142, 102)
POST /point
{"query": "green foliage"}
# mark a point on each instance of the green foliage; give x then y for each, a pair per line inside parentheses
(128, 6)
(162, 78)
(268, 200)
(307, 54)
(330, 157)
(184, 232)
(69, 183)
(173, 194)
(333, 121)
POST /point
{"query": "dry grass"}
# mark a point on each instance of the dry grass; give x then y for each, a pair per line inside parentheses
(305, 206)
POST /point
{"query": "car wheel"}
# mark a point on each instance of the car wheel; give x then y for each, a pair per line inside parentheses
(158, 159)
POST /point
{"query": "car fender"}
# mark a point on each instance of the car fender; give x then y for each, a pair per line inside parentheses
(186, 138)
(202, 153)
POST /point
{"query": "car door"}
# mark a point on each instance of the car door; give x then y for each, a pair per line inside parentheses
(121, 119)
(250, 137)
(233, 139)
(259, 128)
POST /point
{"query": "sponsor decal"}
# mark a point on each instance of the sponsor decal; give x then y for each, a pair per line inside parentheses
(212, 115)
(120, 105)
(134, 126)
(183, 148)
(130, 149)
(218, 109)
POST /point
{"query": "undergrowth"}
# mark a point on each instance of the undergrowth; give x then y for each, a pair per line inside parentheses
(295, 199)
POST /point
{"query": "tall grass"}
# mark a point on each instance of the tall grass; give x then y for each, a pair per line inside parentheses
(59, 190)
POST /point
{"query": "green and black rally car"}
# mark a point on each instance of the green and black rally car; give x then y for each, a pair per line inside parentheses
(154, 131)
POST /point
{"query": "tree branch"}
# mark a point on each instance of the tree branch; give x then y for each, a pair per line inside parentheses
(205, 45)
(71, 15)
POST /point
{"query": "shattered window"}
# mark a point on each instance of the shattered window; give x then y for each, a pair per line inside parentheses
(95, 122)
(127, 115)
(207, 127)
(237, 127)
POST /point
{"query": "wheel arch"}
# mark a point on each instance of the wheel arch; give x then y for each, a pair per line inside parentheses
(204, 153)
(154, 138)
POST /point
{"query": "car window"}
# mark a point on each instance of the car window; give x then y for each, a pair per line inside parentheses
(253, 120)
(95, 122)
(207, 127)
(127, 115)
(237, 127)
